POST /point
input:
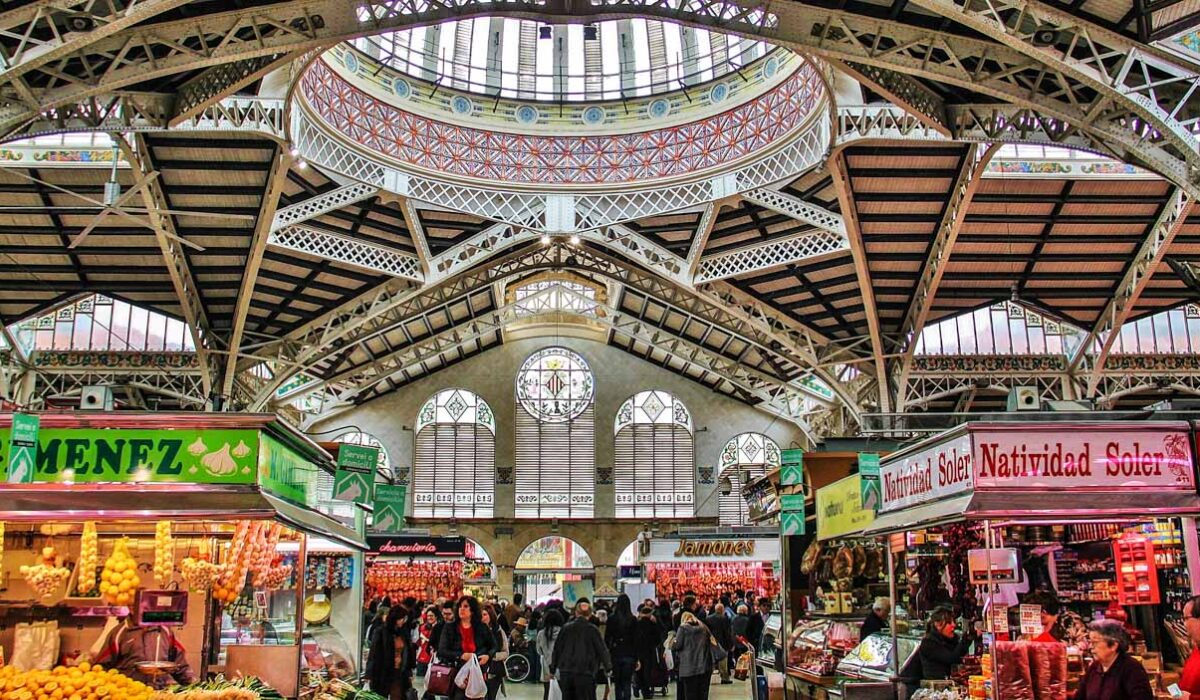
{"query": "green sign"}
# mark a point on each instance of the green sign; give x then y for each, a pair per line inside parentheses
(22, 448)
(355, 478)
(791, 524)
(389, 508)
(791, 503)
(93, 455)
(285, 473)
(791, 472)
(868, 485)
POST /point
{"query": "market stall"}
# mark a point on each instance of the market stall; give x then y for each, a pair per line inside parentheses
(844, 575)
(417, 566)
(199, 523)
(991, 517)
(711, 565)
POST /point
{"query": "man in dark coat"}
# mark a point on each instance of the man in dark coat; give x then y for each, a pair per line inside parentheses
(579, 654)
(721, 630)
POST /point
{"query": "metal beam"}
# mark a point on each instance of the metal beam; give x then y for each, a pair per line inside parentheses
(845, 192)
(413, 220)
(1139, 273)
(903, 91)
(700, 239)
(331, 246)
(163, 225)
(282, 164)
(798, 209)
(221, 81)
(970, 174)
(772, 254)
(322, 204)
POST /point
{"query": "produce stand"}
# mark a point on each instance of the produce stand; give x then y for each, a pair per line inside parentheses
(1072, 509)
(843, 573)
(221, 504)
(712, 564)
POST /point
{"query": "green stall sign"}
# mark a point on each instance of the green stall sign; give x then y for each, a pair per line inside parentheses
(94, 455)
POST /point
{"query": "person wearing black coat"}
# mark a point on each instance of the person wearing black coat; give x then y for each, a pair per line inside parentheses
(619, 638)
(465, 637)
(663, 614)
(648, 637)
(722, 630)
(740, 627)
(391, 659)
(940, 650)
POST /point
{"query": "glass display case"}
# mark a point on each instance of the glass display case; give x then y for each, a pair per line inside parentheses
(772, 632)
(873, 658)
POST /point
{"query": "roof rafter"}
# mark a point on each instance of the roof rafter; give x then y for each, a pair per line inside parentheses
(322, 204)
(700, 239)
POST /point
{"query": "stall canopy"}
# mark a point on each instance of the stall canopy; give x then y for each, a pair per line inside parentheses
(1062, 471)
(178, 466)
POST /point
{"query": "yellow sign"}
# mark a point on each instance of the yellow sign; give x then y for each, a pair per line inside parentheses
(840, 511)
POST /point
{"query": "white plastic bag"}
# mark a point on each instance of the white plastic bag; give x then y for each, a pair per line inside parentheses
(470, 679)
(669, 659)
(35, 646)
(555, 690)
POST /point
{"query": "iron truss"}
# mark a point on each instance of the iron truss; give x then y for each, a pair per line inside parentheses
(1110, 91)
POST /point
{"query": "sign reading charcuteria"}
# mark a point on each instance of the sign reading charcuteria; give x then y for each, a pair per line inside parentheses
(1045, 457)
(92, 455)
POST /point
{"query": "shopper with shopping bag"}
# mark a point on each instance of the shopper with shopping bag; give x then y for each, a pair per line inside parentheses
(469, 644)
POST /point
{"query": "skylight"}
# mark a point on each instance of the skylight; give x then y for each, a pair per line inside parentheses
(98, 322)
(619, 59)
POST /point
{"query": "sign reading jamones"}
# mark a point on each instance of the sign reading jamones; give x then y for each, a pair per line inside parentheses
(1045, 457)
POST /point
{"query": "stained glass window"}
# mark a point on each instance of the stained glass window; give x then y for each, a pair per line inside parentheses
(454, 465)
(555, 471)
(747, 457)
(654, 457)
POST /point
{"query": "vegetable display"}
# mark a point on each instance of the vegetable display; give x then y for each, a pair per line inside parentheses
(46, 577)
(164, 553)
(89, 559)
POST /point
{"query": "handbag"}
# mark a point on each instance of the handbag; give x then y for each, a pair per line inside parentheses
(439, 679)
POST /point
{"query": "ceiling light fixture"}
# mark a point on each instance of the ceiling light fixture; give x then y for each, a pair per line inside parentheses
(545, 240)
(302, 165)
(574, 240)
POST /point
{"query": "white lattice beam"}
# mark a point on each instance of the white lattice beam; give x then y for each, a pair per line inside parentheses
(764, 256)
(970, 174)
(368, 256)
(798, 209)
(1139, 273)
(641, 250)
(280, 166)
(700, 239)
(420, 241)
(322, 204)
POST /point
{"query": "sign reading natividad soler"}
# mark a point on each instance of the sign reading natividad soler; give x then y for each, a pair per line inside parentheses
(1044, 458)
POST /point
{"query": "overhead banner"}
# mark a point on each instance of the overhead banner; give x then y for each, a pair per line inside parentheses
(417, 546)
(840, 510)
(114, 455)
(928, 475)
(389, 508)
(355, 477)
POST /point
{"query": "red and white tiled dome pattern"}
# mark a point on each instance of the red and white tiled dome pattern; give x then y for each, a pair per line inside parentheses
(718, 141)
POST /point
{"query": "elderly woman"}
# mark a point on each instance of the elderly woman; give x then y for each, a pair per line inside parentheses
(1114, 675)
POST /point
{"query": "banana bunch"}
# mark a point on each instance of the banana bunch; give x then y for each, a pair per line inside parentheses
(89, 559)
(164, 553)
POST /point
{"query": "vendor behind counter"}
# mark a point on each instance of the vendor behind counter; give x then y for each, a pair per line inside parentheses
(129, 646)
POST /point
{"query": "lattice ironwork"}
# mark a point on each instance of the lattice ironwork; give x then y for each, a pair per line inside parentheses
(797, 209)
(212, 85)
(313, 207)
(186, 387)
(369, 256)
(882, 122)
(772, 254)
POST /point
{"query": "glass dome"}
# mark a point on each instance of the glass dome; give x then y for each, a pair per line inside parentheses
(521, 59)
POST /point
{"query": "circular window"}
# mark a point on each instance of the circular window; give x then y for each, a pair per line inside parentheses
(401, 88)
(659, 108)
(593, 115)
(770, 67)
(527, 114)
(350, 61)
(555, 385)
(461, 105)
(719, 92)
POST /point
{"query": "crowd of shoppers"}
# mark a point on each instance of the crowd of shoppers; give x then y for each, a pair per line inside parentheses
(577, 649)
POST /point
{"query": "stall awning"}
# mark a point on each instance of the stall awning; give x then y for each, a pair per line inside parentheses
(316, 523)
(1131, 504)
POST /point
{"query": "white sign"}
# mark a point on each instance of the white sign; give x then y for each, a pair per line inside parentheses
(1004, 565)
(665, 549)
(929, 475)
(1031, 619)
(1046, 457)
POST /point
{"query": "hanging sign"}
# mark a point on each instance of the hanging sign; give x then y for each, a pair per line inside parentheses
(868, 483)
(1031, 619)
(791, 471)
(417, 546)
(389, 508)
(792, 524)
(355, 477)
(22, 448)
(792, 503)
(1003, 570)
(116, 455)
(675, 549)
(840, 509)
(927, 475)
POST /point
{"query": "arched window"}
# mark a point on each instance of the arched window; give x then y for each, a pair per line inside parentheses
(653, 457)
(454, 467)
(747, 457)
(555, 474)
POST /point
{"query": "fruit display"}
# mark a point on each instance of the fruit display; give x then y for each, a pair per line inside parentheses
(422, 579)
(164, 553)
(82, 681)
(337, 689)
(119, 581)
(199, 574)
(46, 577)
(328, 571)
(89, 560)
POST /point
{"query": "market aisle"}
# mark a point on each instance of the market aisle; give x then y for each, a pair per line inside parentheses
(529, 691)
